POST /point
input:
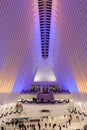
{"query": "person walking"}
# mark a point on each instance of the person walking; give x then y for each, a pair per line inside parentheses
(59, 127)
(39, 125)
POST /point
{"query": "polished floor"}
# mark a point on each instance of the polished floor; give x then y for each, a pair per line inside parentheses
(75, 124)
(52, 114)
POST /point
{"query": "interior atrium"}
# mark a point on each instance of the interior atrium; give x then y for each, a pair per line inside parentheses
(43, 64)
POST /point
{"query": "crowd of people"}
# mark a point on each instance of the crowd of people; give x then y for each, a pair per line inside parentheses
(27, 125)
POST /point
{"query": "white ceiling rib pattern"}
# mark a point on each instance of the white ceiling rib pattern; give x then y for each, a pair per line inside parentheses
(71, 45)
(18, 52)
(20, 44)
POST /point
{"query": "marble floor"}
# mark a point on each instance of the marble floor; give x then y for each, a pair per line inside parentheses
(75, 124)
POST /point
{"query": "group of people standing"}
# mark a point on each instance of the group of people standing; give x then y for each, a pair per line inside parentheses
(37, 125)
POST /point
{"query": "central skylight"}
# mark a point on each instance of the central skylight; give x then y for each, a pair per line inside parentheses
(45, 7)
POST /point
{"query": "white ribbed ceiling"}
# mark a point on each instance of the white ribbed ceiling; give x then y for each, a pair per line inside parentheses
(20, 44)
(70, 44)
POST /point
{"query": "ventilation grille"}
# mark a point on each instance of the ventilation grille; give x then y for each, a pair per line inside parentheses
(45, 7)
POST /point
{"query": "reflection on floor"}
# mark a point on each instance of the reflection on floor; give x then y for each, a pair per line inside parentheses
(51, 116)
(48, 123)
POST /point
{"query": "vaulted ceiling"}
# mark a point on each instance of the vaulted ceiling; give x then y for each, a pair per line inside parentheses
(22, 46)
